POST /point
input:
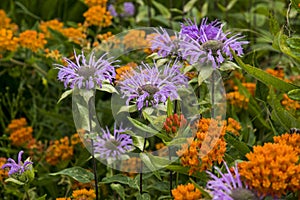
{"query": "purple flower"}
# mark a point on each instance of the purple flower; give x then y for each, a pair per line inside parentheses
(208, 43)
(149, 86)
(19, 168)
(85, 74)
(112, 10)
(107, 146)
(165, 44)
(229, 186)
(129, 9)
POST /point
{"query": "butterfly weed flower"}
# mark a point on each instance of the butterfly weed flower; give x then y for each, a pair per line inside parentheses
(149, 86)
(229, 186)
(86, 74)
(112, 147)
(165, 44)
(208, 43)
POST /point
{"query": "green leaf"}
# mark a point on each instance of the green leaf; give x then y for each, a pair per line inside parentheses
(138, 141)
(79, 174)
(273, 24)
(185, 170)
(189, 5)
(131, 108)
(144, 196)
(294, 42)
(279, 114)
(264, 77)
(64, 95)
(142, 126)
(204, 193)
(242, 148)
(145, 158)
(119, 189)
(294, 94)
(42, 197)
(159, 162)
(106, 87)
(169, 107)
(14, 181)
(162, 9)
(119, 178)
(205, 73)
(281, 40)
(261, 91)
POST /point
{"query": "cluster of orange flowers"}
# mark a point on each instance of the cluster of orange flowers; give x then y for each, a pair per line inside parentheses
(173, 123)
(61, 150)
(91, 3)
(277, 72)
(289, 104)
(135, 39)
(186, 192)
(82, 194)
(97, 16)
(123, 69)
(233, 126)
(207, 147)
(20, 133)
(32, 40)
(273, 169)
(76, 35)
(7, 40)
(237, 99)
(3, 173)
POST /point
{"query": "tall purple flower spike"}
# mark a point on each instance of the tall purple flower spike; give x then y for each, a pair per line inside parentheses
(109, 146)
(19, 167)
(149, 86)
(86, 74)
(208, 43)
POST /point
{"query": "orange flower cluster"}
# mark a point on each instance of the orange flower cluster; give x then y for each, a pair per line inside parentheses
(173, 123)
(52, 24)
(272, 169)
(32, 40)
(3, 173)
(63, 198)
(91, 3)
(123, 69)
(76, 35)
(20, 133)
(289, 104)
(186, 192)
(5, 22)
(135, 39)
(237, 99)
(54, 54)
(84, 194)
(250, 87)
(207, 147)
(233, 126)
(59, 150)
(7, 40)
(277, 72)
(289, 139)
(97, 16)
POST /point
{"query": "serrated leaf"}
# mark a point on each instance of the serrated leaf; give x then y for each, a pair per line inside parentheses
(162, 9)
(264, 77)
(78, 173)
(65, 95)
(294, 94)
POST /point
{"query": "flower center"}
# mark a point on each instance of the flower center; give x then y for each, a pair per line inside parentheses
(112, 144)
(149, 88)
(86, 71)
(213, 45)
(243, 194)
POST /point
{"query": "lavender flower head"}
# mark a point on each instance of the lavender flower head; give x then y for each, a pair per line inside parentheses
(208, 43)
(165, 44)
(112, 10)
(229, 186)
(149, 86)
(17, 168)
(86, 74)
(129, 9)
(110, 147)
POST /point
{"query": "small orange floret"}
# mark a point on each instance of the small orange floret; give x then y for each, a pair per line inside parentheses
(186, 192)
